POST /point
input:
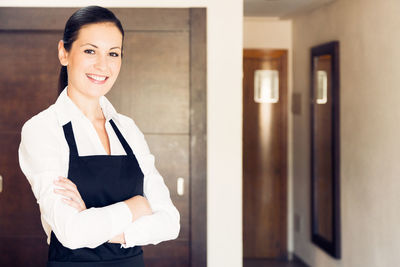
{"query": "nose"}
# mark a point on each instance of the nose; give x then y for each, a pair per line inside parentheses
(101, 63)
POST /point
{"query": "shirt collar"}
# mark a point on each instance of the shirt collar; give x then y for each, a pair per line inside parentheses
(66, 110)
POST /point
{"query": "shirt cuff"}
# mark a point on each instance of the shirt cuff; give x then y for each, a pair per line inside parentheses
(121, 217)
(135, 234)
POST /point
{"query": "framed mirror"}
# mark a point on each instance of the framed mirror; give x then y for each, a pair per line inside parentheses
(325, 148)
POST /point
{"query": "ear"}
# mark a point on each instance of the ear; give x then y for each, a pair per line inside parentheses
(62, 53)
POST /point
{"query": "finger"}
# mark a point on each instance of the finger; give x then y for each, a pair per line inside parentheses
(65, 179)
(67, 184)
(68, 193)
(62, 181)
(72, 204)
(73, 199)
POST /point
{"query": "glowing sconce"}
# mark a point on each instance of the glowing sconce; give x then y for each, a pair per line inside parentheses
(322, 87)
(266, 86)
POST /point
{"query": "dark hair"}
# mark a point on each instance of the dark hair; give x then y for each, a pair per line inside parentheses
(84, 16)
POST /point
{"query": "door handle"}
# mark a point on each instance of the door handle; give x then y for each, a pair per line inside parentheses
(180, 186)
(1, 183)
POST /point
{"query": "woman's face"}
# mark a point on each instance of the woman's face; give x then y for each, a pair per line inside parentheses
(94, 60)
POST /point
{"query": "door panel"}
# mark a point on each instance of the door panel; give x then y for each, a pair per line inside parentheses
(153, 89)
(23, 251)
(172, 167)
(166, 254)
(27, 86)
(154, 81)
(264, 160)
(29, 73)
(10, 201)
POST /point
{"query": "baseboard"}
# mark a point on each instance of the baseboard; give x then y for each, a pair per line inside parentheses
(298, 259)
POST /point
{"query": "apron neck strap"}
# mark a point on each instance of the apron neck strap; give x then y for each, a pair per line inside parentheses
(69, 136)
(121, 138)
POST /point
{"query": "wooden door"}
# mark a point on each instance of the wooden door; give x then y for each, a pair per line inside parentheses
(27, 85)
(264, 160)
(153, 88)
(158, 87)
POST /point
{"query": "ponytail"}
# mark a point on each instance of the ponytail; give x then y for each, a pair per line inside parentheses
(63, 79)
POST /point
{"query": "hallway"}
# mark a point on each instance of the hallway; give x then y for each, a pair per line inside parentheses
(369, 128)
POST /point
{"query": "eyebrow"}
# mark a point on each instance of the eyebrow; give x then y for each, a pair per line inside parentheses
(97, 47)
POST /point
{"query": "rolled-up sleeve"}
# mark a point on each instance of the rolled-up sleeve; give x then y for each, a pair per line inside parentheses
(41, 161)
(164, 223)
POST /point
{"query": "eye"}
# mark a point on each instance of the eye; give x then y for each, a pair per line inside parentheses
(89, 51)
(113, 54)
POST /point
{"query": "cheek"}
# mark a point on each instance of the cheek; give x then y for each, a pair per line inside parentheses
(116, 66)
(80, 63)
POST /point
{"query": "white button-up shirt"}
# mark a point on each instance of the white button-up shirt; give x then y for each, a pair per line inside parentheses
(44, 155)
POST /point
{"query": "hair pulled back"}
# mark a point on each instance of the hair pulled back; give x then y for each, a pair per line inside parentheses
(84, 16)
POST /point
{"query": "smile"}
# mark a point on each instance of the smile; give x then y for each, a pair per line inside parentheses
(96, 78)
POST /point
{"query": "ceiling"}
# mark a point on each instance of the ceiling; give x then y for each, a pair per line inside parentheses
(280, 8)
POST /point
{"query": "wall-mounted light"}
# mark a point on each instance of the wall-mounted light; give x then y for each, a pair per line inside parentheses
(266, 86)
(322, 87)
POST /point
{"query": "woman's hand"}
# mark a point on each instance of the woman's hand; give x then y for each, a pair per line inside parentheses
(139, 207)
(120, 239)
(70, 191)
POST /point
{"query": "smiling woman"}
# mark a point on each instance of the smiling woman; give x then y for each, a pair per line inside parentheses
(90, 168)
(92, 59)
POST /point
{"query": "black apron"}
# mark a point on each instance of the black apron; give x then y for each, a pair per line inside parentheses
(101, 180)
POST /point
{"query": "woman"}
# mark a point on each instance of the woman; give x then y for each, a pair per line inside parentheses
(90, 169)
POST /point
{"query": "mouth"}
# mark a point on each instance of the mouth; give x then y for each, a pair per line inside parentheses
(97, 79)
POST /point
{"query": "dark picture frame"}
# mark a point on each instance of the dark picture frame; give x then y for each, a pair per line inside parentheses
(325, 149)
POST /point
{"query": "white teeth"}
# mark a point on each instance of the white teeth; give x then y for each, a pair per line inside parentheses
(97, 78)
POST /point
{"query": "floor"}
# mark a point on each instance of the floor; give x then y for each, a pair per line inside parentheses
(271, 263)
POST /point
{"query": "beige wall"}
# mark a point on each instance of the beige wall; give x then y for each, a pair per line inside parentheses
(267, 33)
(368, 32)
(272, 33)
(224, 123)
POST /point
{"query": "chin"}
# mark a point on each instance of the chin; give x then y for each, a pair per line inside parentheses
(97, 91)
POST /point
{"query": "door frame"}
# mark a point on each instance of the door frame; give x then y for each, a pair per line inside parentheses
(53, 19)
(198, 137)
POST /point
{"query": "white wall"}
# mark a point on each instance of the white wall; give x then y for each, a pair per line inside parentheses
(224, 122)
(369, 37)
(272, 33)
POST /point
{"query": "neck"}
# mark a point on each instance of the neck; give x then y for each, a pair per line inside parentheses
(90, 107)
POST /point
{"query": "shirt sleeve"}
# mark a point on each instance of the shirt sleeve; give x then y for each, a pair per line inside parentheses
(41, 161)
(164, 223)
